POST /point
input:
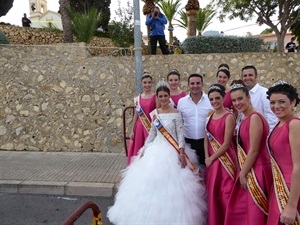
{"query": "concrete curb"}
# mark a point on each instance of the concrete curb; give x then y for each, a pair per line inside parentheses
(58, 188)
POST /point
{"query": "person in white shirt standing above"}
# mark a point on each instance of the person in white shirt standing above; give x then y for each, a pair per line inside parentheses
(258, 94)
(194, 109)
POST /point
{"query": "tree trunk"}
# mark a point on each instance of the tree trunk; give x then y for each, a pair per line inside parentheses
(192, 22)
(64, 6)
(170, 33)
(280, 41)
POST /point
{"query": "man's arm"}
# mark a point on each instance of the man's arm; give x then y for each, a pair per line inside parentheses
(163, 19)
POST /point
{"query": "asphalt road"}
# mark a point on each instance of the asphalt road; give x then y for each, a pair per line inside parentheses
(27, 209)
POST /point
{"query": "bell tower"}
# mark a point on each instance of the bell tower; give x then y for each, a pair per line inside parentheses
(37, 7)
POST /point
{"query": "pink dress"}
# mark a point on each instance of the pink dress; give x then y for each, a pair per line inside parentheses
(176, 98)
(227, 100)
(242, 209)
(140, 133)
(218, 182)
(280, 147)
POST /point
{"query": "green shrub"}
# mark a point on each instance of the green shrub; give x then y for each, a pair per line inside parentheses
(121, 34)
(84, 25)
(226, 44)
(3, 38)
(50, 27)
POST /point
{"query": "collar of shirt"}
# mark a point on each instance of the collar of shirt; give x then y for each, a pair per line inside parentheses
(254, 89)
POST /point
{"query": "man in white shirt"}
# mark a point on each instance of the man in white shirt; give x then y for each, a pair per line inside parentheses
(194, 109)
(258, 94)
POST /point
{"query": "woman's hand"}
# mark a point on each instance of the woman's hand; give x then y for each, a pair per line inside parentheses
(182, 160)
(243, 181)
(208, 161)
(132, 135)
(288, 215)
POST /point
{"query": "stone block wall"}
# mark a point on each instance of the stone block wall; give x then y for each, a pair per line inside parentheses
(36, 36)
(61, 98)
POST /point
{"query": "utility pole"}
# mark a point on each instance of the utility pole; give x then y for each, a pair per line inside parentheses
(137, 46)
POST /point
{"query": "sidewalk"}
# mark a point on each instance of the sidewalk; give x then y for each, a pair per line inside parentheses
(60, 173)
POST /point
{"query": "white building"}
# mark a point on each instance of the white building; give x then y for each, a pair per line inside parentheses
(40, 16)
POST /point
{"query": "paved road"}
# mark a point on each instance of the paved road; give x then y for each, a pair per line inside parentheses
(28, 209)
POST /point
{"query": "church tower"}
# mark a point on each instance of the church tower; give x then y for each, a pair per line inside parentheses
(37, 7)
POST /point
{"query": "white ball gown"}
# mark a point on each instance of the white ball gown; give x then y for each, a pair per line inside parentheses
(155, 189)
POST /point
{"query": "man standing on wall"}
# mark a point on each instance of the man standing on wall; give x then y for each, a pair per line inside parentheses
(156, 22)
(291, 46)
(25, 21)
(194, 109)
(258, 94)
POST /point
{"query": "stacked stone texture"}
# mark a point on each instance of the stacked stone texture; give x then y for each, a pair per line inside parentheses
(61, 98)
(35, 36)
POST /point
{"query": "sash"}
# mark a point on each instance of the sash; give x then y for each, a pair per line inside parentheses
(169, 138)
(140, 112)
(172, 103)
(225, 158)
(255, 190)
(281, 189)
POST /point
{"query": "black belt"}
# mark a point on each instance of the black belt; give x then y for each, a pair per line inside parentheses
(189, 140)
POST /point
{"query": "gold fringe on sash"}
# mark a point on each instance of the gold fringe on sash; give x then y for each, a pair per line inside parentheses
(281, 189)
(140, 112)
(171, 140)
(225, 158)
(255, 190)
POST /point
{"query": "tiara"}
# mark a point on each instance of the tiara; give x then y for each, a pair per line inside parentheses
(214, 87)
(146, 74)
(162, 84)
(223, 68)
(173, 70)
(236, 86)
(280, 82)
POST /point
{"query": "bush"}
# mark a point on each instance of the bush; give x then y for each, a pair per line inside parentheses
(121, 34)
(3, 38)
(84, 25)
(227, 44)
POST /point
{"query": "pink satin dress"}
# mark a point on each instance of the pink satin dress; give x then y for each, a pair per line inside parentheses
(227, 101)
(218, 182)
(140, 133)
(281, 150)
(242, 210)
(176, 98)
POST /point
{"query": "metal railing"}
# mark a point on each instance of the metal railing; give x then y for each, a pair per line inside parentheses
(97, 220)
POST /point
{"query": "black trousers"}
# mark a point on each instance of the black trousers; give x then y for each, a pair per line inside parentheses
(198, 146)
(162, 44)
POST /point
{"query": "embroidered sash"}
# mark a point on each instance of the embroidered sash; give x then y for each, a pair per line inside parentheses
(255, 190)
(225, 158)
(140, 112)
(159, 126)
(281, 189)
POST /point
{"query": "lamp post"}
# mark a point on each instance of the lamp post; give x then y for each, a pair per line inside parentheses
(137, 46)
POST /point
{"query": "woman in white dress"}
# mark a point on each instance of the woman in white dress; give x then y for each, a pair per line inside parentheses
(161, 187)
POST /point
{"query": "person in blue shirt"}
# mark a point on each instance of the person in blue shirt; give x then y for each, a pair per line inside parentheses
(156, 21)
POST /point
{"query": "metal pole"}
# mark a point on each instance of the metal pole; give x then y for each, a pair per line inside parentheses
(137, 46)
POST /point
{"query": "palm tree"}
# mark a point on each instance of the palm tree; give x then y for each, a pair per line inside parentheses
(204, 18)
(169, 8)
(183, 21)
(192, 8)
(64, 8)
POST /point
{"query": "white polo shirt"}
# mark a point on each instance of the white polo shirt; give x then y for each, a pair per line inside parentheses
(194, 116)
(260, 102)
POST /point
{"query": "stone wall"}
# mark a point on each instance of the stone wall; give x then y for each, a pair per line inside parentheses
(60, 98)
(36, 36)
